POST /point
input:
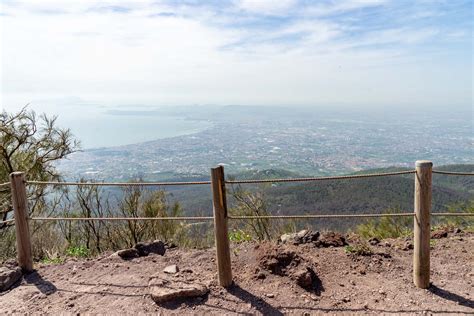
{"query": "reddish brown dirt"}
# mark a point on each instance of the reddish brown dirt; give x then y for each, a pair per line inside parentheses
(343, 283)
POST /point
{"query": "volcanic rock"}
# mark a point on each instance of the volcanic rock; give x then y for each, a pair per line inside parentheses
(162, 290)
(8, 277)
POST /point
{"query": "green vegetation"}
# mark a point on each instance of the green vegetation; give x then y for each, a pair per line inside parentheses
(254, 203)
(238, 236)
(86, 238)
(78, 252)
(56, 260)
(371, 195)
(31, 144)
(360, 249)
(464, 222)
(386, 227)
(394, 227)
(71, 251)
(456, 183)
(52, 257)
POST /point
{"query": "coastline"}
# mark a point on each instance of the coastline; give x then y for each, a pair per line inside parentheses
(195, 126)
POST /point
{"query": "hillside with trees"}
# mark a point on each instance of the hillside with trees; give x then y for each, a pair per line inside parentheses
(373, 195)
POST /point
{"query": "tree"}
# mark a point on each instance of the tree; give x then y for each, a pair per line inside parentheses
(93, 204)
(31, 144)
(252, 204)
(137, 201)
(155, 204)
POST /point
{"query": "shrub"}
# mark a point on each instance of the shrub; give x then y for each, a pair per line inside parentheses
(359, 250)
(52, 258)
(386, 227)
(252, 204)
(465, 222)
(78, 252)
(238, 236)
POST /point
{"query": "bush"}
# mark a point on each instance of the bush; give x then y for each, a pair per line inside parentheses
(55, 260)
(46, 240)
(254, 203)
(465, 222)
(359, 250)
(238, 236)
(386, 227)
(52, 258)
(78, 252)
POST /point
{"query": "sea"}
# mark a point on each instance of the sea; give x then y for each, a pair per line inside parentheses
(98, 126)
(109, 130)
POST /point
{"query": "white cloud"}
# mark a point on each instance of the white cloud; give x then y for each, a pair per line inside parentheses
(334, 7)
(266, 7)
(165, 54)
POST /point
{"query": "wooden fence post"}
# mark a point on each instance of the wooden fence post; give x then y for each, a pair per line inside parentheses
(20, 209)
(422, 234)
(220, 226)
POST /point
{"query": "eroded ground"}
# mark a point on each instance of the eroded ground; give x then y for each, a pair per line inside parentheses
(379, 283)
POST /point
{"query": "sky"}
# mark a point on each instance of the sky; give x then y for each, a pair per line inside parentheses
(374, 53)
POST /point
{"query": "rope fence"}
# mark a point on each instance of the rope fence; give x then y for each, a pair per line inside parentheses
(452, 214)
(193, 218)
(356, 176)
(422, 213)
(180, 218)
(210, 218)
(121, 184)
(207, 218)
(450, 173)
(309, 216)
(278, 180)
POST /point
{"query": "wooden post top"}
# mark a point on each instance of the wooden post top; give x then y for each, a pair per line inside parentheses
(424, 163)
(16, 174)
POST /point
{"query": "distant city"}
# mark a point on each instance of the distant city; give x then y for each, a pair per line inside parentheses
(299, 140)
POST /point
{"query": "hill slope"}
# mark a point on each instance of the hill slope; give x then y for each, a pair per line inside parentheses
(369, 195)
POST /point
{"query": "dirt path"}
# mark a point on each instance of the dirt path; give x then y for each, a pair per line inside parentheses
(380, 283)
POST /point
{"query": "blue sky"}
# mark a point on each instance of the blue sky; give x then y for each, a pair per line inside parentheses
(375, 53)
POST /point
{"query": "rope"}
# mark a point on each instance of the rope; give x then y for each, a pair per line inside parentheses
(371, 175)
(4, 184)
(118, 183)
(452, 214)
(319, 216)
(181, 218)
(7, 221)
(192, 218)
(453, 173)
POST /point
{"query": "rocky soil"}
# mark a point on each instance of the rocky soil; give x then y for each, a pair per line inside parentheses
(302, 275)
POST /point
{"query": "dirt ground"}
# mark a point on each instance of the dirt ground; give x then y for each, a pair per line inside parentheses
(343, 283)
